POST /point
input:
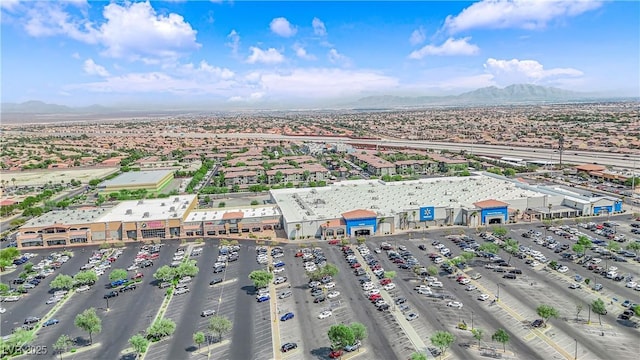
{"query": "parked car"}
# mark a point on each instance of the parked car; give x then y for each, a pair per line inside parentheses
(110, 294)
(287, 316)
(181, 291)
(288, 347)
(50, 322)
(207, 312)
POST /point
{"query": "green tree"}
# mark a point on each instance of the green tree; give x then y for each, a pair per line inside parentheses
(28, 267)
(633, 246)
(340, 336)
(442, 340)
(219, 325)
(390, 274)
(598, 307)
(90, 322)
(118, 274)
(164, 273)
(63, 344)
(477, 334)
(418, 356)
(490, 248)
(578, 249)
(546, 312)
(613, 246)
(187, 268)
(139, 344)
(467, 256)
(199, 338)
(4, 288)
(161, 328)
(85, 277)
(359, 331)
(432, 270)
(260, 278)
(18, 339)
(500, 231)
(501, 336)
(585, 243)
(579, 308)
(4, 263)
(63, 282)
(9, 253)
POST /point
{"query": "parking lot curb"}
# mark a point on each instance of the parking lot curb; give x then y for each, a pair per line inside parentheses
(275, 325)
(407, 328)
(205, 349)
(355, 354)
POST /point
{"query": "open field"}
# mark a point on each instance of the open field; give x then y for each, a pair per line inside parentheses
(40, 177)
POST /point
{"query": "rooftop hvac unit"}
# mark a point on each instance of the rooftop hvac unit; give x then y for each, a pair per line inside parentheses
(176, 199)
(146, 214)
(140, 202)
(161, 204)
(173, 208)
(128, 212)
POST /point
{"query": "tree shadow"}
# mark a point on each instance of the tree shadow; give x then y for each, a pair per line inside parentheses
(249, 289)
(321, 352)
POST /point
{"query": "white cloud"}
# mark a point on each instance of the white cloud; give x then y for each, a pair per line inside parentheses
(204, 69)
(135, 30)
(318, 27)
(9, 5)
(90, 67)
(76, 55)
(269, 56)
(448, 48)
(526, 14)
(281, 26)
(301, 52)
(417, 36)
(132, 30)
(514, 71)
(336, 58)
(234, 42)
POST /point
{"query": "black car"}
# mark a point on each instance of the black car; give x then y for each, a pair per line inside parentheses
(215, 281)
(18, 281)
(128, 287)
(422, 247)
(510, 276)
(218, 269)
(401, 301)
(146, 263)
(288, 346)
(383, 307)
(537, 323)
(110, 294)
(319, 299)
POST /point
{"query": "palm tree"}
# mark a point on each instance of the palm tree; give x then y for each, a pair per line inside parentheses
(414, 217)
(298, 226)
(13, 180)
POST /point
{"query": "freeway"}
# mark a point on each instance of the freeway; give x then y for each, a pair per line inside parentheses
(543, 154)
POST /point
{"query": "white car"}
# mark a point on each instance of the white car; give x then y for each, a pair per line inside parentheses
(83, 288)
(11, 298)
(563, 269)
(53, 300)
(436, 284)
(470, 288)
(181, 291)
(390, 286)
(455, 304)
(483, 297)
(132, 267)
(632, 284)
(2, 310)
(333, 294)
(325, 314)
(29, 286)
(329, 285)
(278, 270)
(575, 286)
(465, 281)
(637, 288)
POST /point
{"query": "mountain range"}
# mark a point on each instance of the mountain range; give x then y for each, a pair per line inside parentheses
(510, 95)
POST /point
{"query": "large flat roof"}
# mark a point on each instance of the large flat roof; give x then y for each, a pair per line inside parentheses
(172, 207)
(217, 214)
(151, 177)
(391, 198)
(67, 217)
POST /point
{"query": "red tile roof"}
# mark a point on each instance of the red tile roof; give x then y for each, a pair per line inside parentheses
(358, 214)
(486, 204)
(590, 167)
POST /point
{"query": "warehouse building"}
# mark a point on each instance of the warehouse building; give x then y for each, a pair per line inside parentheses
(153, 181)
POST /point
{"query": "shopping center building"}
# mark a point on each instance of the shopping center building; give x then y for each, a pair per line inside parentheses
(343, 209)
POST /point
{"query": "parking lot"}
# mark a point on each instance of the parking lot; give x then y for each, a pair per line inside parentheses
(388, 337)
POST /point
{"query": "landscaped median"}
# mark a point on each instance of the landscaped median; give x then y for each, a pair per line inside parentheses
(162, 328)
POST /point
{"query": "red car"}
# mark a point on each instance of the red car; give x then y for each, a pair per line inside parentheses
(385, 281)
(299, 254)
(153, 256)
(376, 267)
(137, 276)
(355, 265)
(345, 248)
(112, 259)
(374, 297)
(335, 354)
(334, 242)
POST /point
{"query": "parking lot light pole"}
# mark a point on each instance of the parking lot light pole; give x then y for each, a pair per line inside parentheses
(589, 319)
(472, 320)
(107, 303)
(575, 355)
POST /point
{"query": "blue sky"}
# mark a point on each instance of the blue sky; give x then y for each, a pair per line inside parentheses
(123, 52)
